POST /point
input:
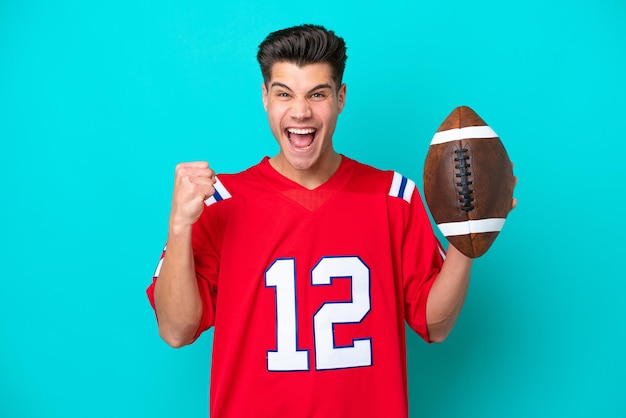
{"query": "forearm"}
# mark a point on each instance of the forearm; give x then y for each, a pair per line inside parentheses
(177, 299)
(447, 294)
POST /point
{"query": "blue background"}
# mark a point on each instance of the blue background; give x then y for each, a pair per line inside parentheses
(100, 100)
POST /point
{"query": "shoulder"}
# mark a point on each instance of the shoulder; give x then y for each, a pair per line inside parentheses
(391, 183)
(229, 185)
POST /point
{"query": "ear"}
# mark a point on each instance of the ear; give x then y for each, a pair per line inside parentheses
(264, 90)
(341, 97)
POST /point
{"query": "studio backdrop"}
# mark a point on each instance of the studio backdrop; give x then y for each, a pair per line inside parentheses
(100, 100)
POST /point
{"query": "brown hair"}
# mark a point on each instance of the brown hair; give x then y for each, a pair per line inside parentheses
(302, 45)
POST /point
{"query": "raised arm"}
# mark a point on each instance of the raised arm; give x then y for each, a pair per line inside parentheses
(177, 299)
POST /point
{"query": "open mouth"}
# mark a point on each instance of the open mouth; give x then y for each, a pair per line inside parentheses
(301, 138)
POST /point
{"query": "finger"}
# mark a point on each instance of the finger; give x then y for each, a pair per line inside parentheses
(198, 172)
(194, 193)
(206, 192)
(191, 167)
(202, 181)
(194, 164)
(186, 171)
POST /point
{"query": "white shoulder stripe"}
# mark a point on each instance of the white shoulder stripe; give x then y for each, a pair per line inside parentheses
(477, 226)
(220, 193)
(442, 253)
(157, 271)
(408, 191)
(468, 132)
(402, 187)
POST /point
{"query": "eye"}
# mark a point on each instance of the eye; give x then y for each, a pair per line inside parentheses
(318, 95)
(282, 94)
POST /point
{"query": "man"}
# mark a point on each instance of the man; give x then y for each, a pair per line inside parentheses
(307, 264)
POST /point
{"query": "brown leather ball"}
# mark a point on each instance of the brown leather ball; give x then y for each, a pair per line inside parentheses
(468, 182)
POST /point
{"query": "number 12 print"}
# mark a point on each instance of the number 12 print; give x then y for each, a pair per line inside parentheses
(287, 357)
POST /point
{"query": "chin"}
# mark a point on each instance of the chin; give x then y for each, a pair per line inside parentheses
(301, 164)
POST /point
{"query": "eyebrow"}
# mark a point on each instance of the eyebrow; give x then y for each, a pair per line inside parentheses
(318, 87)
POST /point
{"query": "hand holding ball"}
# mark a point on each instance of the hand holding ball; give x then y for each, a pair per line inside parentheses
(468, 182)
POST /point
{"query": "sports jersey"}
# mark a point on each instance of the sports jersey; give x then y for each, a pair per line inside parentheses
(309, 291)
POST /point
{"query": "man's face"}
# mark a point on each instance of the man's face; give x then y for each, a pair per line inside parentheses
(302, 105)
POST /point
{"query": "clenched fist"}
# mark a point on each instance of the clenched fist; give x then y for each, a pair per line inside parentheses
(193, 184)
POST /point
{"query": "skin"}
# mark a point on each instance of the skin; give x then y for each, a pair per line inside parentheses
(177, 299)
(297, 99)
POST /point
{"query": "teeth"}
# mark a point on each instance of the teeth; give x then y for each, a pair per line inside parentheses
(300, 131)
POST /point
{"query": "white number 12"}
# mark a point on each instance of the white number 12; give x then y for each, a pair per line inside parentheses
(287, 357)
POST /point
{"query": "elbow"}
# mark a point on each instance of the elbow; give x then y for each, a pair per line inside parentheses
(176, 340)
(175, 343)
(438, 337)
(438, 333)
(178, 330)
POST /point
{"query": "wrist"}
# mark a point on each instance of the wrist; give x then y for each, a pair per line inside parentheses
(179, 228)
(458, 256)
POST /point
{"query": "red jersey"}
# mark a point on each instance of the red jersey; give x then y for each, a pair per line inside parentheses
(309, 291)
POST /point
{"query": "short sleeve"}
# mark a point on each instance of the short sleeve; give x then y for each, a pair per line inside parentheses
(422, 259)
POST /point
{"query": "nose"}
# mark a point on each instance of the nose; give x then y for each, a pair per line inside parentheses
(300, 108)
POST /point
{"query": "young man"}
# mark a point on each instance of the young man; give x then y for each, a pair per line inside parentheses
(307, 264)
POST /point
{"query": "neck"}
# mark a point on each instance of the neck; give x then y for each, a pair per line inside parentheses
(311, 177)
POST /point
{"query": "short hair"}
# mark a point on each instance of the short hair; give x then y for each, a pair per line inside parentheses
(302, 45)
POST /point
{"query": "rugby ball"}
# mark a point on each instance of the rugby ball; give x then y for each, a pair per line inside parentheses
(468, 182)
